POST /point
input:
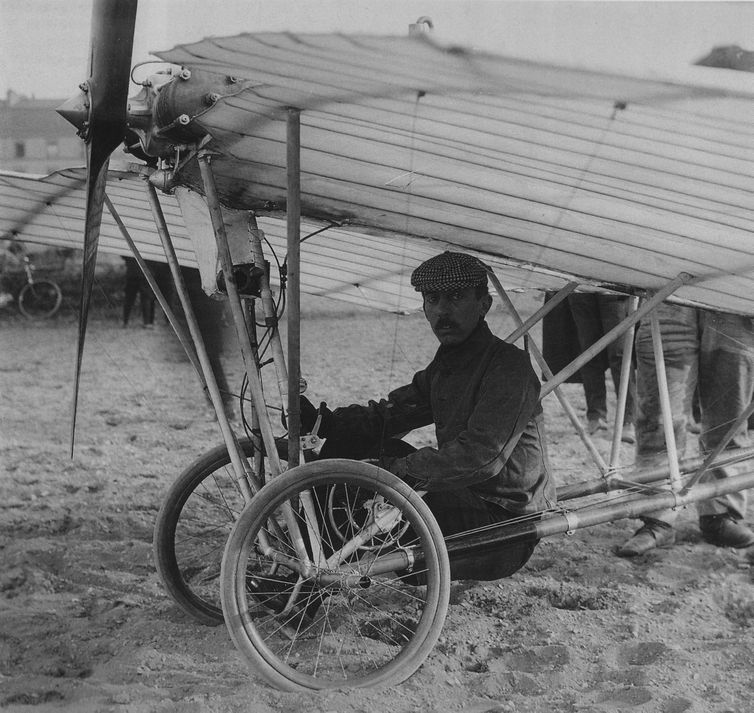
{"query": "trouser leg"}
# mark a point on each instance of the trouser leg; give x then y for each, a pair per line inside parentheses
(612, 312)
(146, 302)
(462, 510)
(589, 329)
(129, 298)
(726, 384)
(679, 329)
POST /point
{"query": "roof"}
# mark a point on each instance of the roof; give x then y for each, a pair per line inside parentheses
(32, 119)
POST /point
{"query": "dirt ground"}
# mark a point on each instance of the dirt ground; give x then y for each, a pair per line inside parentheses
(85, 624)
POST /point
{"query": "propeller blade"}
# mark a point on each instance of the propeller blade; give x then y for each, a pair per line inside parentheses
(105, 101)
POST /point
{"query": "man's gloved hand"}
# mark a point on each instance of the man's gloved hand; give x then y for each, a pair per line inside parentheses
(309, 414)
(397, 466)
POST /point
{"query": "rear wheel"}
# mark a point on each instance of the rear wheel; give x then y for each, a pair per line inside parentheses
(348, 622)
(192, 527)
(40, 299)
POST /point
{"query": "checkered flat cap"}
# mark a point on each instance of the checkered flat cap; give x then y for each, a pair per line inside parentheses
(448, 272)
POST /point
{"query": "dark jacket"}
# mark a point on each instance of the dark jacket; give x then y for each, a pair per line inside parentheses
(483, 397)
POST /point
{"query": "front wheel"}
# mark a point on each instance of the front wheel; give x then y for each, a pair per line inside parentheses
(312, 606)
(39, 300)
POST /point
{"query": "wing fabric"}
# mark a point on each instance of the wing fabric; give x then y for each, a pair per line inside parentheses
(618, 180)
(357, 268)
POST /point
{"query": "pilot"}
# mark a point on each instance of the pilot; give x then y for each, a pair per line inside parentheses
(482, 394)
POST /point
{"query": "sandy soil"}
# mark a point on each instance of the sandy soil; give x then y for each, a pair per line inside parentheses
(85, 624)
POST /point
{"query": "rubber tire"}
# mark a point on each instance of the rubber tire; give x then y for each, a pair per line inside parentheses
(164, 546)
(263, 507)
(26, 295)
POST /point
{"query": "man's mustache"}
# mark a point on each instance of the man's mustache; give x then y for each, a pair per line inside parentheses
(445, 324)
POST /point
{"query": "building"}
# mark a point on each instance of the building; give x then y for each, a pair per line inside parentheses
(34, 138)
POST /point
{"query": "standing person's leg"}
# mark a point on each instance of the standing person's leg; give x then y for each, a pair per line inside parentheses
(151, 300)
(131, 287)
(726, 386)
(613, 310)
(589, 329)
(680, 340)
(146, 302)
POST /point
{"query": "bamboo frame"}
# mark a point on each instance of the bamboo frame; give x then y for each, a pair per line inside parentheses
(631, 505)
(659, 296)
(244, 477)
(293, 232)
(524, 328)
(183, 336)
(641, 480)
(622, 396)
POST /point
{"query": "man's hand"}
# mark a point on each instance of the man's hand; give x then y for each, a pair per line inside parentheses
(309, 415)
(397, 466)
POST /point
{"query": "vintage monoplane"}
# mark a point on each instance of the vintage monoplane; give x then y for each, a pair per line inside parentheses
(357, 157)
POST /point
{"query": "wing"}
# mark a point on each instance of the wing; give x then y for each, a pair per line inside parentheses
(357, 268)
(615, 180)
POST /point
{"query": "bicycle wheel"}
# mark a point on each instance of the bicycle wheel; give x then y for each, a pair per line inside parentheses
(40, 299)
(350, 622)
(192, 527)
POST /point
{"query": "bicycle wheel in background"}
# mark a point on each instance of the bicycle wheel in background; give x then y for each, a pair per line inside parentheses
(40, 299)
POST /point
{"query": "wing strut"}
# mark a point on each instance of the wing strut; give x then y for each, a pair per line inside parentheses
(293, 260)
(183, 337)
(646, 307)
(201, 351)
(523, 328)
(244, 340)
(251, 362)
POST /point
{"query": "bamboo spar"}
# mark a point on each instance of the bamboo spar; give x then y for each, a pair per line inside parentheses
(565, 522)
(293, 227)
(523, 328)
(196, 336)
(662, 294)
(180, 332)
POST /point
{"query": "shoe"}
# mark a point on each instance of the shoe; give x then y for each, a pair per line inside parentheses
(629, 434)
(725, 531)
(596, 424)
(650, 535)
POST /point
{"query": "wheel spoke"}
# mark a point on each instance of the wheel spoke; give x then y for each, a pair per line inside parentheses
(193, 525)
(348, 629)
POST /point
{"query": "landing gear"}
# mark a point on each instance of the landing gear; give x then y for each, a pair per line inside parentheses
(313, 606)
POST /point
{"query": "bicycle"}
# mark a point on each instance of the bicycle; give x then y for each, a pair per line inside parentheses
(37, 299)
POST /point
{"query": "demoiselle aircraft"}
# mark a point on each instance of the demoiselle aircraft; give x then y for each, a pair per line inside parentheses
(357, 157)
